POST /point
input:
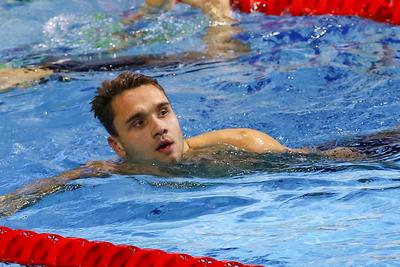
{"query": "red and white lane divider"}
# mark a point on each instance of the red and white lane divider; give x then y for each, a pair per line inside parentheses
(379, 10)
(50, 250)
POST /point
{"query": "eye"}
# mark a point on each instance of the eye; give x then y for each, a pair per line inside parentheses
(164, 112)
(137, 123)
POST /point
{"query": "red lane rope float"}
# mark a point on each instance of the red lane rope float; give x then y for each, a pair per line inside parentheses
(51, 250)
(379, 10)
(29, 248)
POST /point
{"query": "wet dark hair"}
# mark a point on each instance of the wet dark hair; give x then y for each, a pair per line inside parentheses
(101, 102)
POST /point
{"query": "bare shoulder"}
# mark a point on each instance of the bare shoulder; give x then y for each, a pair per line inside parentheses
(246, 139)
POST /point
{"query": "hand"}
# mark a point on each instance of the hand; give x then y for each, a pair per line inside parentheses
(10, 203)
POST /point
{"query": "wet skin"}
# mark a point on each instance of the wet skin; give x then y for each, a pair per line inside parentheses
(150, 141)
(148, 129)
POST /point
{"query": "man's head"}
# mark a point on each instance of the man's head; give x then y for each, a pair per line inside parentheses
(137, 114)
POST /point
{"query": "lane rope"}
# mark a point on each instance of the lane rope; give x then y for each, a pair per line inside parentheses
(30, 248)
(379, 10)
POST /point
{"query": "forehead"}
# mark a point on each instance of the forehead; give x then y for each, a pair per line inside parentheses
(138, 99)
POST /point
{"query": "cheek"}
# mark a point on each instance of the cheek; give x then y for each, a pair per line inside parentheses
(174, 121)
(139, 149)
(135, 140)
(175, 126)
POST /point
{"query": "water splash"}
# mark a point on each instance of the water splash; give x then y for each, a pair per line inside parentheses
(85, 34)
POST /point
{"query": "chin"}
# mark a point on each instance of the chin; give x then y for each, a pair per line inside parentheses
(173, 159)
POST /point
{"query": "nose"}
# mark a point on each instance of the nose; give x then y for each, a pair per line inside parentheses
(159, 128)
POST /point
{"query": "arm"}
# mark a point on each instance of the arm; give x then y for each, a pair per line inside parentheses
(242, 138)
(347, 153)
(255, 141)
(220, 35)
(218, 10)
(22, 77)
(149, 4)
(165, 4)
(30, 194)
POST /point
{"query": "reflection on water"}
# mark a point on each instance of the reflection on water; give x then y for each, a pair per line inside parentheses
(99, 32)
(89, 34)
(316, 82)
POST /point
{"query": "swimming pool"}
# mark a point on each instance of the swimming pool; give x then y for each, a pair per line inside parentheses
(306, 81)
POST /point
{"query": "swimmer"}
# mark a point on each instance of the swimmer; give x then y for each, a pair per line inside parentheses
(220, 11)
(218, 38)
(22, 77)
(145, 133)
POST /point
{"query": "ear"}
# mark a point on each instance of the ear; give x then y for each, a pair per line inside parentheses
(116, 146)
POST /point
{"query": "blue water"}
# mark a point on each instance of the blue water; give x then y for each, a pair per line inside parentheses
(306, 81)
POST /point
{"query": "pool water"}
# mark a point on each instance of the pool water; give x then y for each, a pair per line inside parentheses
(306, 81)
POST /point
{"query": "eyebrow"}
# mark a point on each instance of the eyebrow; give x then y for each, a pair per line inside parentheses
(139, 115)
(163, 104)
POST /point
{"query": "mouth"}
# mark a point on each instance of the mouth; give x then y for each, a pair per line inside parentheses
(165, 147)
